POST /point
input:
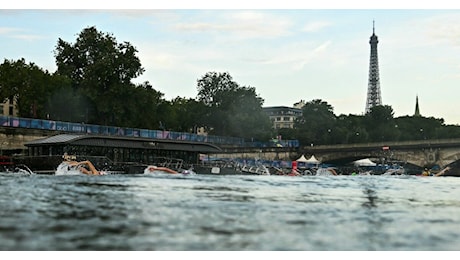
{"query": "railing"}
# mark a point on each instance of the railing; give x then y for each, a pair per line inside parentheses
(29, 123)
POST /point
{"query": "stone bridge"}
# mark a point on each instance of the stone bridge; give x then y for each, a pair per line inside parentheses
(421, 153)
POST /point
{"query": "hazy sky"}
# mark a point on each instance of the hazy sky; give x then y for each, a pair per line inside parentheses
(286, 54)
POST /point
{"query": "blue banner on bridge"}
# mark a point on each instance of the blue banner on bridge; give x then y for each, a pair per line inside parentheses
(8, 121)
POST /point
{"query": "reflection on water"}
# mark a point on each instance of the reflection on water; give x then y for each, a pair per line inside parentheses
(204, 212)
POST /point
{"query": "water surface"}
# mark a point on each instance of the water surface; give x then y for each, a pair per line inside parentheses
(241, 212)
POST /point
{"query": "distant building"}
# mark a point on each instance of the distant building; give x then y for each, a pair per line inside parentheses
(9, 107)
(284, 117)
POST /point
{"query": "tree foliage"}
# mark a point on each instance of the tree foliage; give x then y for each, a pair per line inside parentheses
(319, 125)
(187, 114)
(232, 110)
(102, 70)
(316, 123)
(139, 106)
(381, 124)
(93, 84)
(213, 88)
(28, 84)
(65, 103)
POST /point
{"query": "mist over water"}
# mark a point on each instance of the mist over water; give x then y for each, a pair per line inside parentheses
(233, 212)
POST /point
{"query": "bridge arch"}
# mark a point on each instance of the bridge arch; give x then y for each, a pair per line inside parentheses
(421, 153)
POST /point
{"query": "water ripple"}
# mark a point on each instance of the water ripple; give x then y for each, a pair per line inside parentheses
(205, 212)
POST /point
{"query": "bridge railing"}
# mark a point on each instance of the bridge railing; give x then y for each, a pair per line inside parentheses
(51, 125)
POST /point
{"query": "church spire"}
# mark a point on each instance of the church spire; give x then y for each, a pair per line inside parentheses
(417, 110)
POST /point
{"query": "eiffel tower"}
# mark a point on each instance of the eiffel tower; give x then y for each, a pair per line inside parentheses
(374, 97)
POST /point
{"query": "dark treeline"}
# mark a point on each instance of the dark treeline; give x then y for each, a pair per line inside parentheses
(93, 84)
(319, 125)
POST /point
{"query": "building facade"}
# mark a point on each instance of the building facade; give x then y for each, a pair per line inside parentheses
(8, 107)
(282, 116)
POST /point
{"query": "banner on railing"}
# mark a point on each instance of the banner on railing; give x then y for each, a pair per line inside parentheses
(8, 121)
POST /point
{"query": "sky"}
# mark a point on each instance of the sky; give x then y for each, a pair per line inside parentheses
(287, 52)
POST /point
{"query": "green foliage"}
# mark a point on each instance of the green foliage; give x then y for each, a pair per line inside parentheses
(92, 84)
(141, 106)
(213, 88)
(28, 84)
(316, 123)
(287, 133)
(319, 125)
(187, 114)
(232, 110)
(449, 131)
(418, 128)
(380, 123)
(66, 103)
(102, 70)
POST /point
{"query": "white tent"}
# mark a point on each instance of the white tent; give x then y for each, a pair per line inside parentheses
(364, 162)
(313, 160)
(302, 159)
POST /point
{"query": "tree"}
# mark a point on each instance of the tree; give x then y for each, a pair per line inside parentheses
(187, 114)
(65, 103)
(380, 124)
(448, 131)
(349, 129)
(28, 84)
(316, 123)
(213, 86)
(101, 68)
(419, 128)
(232, 110)
(141, 106)
(246, 116)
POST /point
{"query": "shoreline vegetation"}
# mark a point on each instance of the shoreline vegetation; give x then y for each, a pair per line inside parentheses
(222, 106)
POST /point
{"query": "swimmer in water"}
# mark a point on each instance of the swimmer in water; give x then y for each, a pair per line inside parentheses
(442, 171)
(427, 172)
(85, 167)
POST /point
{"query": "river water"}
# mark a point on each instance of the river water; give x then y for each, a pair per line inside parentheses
(231, 213)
